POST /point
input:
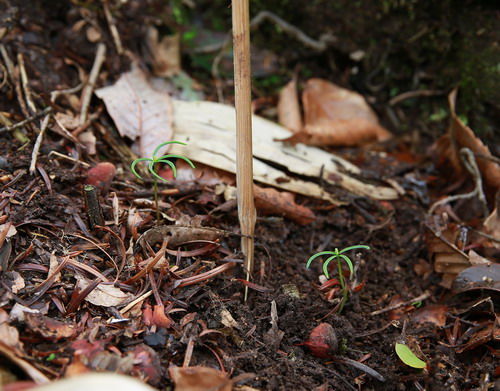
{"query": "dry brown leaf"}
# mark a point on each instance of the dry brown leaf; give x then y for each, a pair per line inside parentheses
(272, 201)
(50, 328)
(432, 313)
(139, 111)
(492, 222)
(199, 378)
(337, 116)
(165, 52)
(104, 295)
(459, 136)
(289, 108)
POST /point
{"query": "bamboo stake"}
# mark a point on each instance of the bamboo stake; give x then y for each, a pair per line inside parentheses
(244, 167)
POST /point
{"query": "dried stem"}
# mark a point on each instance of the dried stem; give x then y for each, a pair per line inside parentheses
(244, 167)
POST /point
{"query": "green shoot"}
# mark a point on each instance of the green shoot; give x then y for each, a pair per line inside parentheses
(152, 168)
(340, 256)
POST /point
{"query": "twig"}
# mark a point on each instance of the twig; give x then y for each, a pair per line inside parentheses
(318, 45)
(8, 62)
(112, 28)
(89, 86)
(71, 159)
(130, 305)
(38, 143)
(34, 117)
(422, 297)
(244, 156)
(413, 94)
(24, 82)
(55, 94)
(467, 157)
(94, 211)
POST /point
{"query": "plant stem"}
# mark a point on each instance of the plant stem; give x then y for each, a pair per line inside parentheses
(155, 191)
(342, 284)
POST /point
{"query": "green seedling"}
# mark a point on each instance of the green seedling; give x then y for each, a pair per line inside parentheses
(339, 256)
(408, 357)
(152, 167)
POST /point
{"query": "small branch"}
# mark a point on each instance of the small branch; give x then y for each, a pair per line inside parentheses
(38, 143)
(32, 118)
(89, 87)
(94, 211)
(422, 297)
(112, 27)
(24, 82)
(413, 94)
(318, 45)
(468, 160)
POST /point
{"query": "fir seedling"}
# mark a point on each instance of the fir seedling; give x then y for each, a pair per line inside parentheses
(339, 256)
(152, 167)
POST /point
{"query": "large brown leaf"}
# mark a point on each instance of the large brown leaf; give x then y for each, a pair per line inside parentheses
(139, 111)
(199, 378)
(337, 116)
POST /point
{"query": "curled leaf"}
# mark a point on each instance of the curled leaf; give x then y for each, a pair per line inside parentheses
(408, 357)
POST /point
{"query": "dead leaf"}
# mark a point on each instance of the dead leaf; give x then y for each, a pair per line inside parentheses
(478, 277)
(490, 333)
(337, 116)
(103, 295)
(199, 378)
(147, 364)
(272, 201)
(447, 151)
(289, 108)
(273, 337)
(193, 121)
(432, 313)
(492, 222)
(165, 52)
(156, 316)
(139, 111)
(68, 120)
(50, 328)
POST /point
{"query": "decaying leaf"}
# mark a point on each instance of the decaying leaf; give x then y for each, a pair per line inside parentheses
(193, 121)
(459, 136)
(478, 277)
(199, 378)
(50, 328)
(336, 116)
(104, 295)
(432, 313)
(179, 234)
(270, 201)
(165, 52)
(140, 112)
(492, 222)
(289, 108)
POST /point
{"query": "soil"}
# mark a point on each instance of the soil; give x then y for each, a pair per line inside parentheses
(48, 210)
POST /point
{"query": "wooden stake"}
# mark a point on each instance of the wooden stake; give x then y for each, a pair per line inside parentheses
(244, 166)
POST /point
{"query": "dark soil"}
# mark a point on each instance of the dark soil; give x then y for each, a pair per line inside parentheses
(48, 211)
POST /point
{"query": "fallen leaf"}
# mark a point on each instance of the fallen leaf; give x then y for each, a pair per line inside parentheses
(447, 151)
(478, 277)
(193, 121)
(68, 120)
(147, 364)
(165, 52)
(104, 295)
(337, 116)
(490, 333)
(492, 222)
(139, 111)
(432, 313)
(408, 357)
(199, 378)
(50, 328)
(289, 108)
(272, 201)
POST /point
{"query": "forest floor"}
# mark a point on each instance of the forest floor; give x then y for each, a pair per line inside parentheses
(73, 297)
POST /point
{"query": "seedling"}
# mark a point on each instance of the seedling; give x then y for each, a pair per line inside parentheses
(340, 256)
(151, 168)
